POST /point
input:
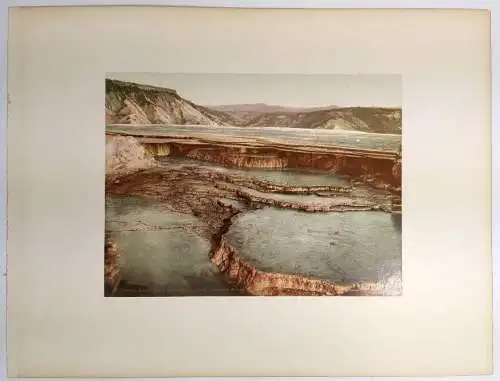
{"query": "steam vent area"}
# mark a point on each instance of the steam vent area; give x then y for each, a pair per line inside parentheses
(205, 205)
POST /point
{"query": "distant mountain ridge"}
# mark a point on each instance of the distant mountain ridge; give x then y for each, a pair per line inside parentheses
(134, 103)
(265, 108)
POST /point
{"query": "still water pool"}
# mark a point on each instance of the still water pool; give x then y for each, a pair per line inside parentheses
(159, 249)
(350, 246)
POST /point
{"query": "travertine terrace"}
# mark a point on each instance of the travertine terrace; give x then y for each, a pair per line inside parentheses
(204, 193)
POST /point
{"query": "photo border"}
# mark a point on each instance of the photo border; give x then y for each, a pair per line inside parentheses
(493, 5)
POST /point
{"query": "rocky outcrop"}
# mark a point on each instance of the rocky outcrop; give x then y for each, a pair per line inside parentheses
(396, 197)
(158, 150)
(396, 170)
(343, 206)
(261, 283)
(270, 187)
(111, 269)
(238, 159)
(114, 285)
(379, 169)
(396, 202)
(373, 170)
(133, 103)
(124, 154)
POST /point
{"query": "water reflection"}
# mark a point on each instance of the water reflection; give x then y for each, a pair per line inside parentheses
(295, 177)
(350, 246)
(159, 250)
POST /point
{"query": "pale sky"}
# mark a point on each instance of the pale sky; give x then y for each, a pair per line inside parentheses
(299, 90)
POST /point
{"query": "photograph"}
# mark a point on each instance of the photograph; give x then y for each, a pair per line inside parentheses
(244, 169)
(253, 185)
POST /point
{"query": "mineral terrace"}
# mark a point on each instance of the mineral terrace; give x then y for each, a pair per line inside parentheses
(216, 198)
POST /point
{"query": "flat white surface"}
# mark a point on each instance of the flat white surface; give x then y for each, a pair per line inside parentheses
(68, 76)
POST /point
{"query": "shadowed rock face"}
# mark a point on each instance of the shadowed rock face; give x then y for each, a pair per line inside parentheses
(381, 172)
(396, 171)
(111, 268)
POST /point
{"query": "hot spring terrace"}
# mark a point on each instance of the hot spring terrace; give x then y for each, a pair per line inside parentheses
(369, 157)
(377, 146)
(224, 203)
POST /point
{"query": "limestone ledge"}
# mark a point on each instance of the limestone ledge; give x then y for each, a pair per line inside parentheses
(260, 283)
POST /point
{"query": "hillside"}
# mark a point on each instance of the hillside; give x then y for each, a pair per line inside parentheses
(132, 103)
(364, 119)
(249, 110)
